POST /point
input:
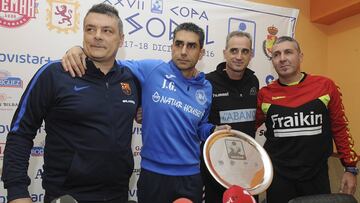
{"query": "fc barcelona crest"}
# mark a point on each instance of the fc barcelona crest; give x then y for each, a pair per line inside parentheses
(126, 88)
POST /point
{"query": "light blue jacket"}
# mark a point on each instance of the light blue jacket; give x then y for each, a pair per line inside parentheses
(175, 115)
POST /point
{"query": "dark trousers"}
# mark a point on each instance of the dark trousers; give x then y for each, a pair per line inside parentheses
(154, 187)
(282, 189)
(212, 189)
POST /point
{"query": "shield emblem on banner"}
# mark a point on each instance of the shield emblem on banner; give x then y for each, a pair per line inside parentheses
(63, 15)
(270, 40)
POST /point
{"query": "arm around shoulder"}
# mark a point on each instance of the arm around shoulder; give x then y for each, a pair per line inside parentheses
(74, 61)
(25, 124)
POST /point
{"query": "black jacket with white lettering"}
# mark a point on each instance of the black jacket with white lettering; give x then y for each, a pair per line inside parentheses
(88, 124)
(301, 121)
(234, 101)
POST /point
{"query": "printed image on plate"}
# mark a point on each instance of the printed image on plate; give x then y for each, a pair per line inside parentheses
(235, 158)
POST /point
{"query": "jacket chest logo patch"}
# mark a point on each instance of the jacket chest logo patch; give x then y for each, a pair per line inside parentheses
(126, 88)
(200, 97)
(297, 124)
(79, 88)
(253, 91)
(221, 94)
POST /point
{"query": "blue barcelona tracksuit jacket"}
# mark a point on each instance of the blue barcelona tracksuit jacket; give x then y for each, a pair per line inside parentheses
(88, 123)
(175, 115)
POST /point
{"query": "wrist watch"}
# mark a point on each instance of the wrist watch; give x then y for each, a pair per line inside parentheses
(352, 169)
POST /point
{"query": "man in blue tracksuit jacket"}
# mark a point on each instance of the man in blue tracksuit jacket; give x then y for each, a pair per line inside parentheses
(88, 122)
(176, 100)
(175, 111)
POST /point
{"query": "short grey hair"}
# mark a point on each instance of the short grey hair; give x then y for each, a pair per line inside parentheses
(238, 34)
(288, 39)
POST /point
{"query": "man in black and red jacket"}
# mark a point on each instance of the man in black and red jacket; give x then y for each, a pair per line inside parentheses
(303, 114)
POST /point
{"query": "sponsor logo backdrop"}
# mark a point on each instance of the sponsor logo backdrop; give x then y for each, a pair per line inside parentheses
(34, 32)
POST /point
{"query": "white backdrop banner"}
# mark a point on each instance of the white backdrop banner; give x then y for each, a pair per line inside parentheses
(34, 32)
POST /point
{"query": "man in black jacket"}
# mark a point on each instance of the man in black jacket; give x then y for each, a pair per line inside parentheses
(88, 122)
(235, 89)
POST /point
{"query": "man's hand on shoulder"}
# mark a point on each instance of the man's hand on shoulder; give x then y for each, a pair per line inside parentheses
(74, 61)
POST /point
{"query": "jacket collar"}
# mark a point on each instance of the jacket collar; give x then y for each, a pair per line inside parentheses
(198, 79)
(93, 70)
(220, 69)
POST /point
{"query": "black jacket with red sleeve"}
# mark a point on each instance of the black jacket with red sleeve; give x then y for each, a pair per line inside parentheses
(301, 121)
